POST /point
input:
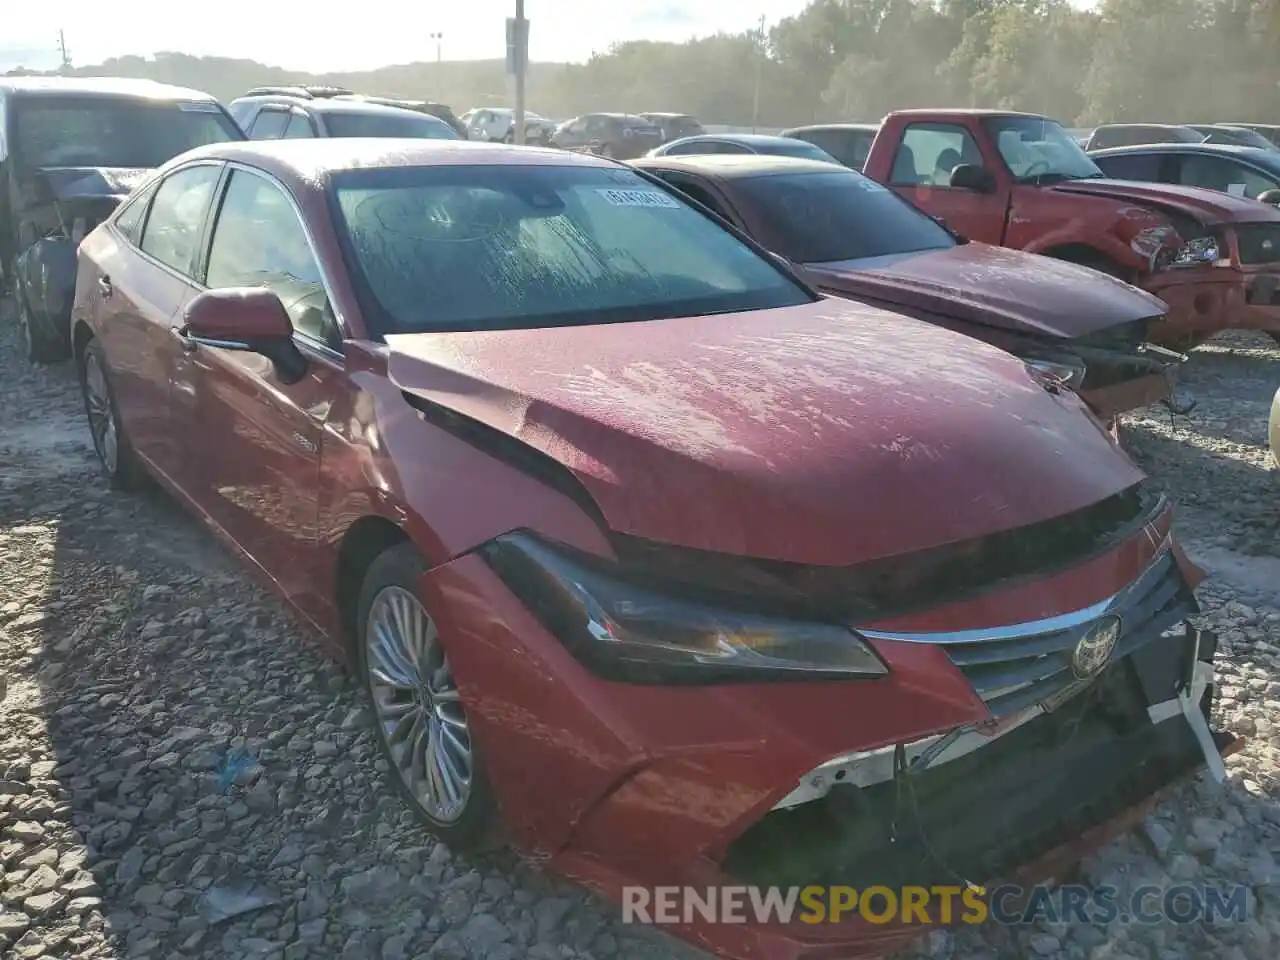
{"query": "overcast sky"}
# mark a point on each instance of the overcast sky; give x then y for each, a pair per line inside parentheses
(376, 33)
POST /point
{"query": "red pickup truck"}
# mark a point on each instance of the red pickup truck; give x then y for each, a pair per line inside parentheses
(1022, 181)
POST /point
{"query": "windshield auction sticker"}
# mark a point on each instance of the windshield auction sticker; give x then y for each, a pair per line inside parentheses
(639, 198)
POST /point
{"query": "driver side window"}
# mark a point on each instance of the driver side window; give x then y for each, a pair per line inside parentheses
(930, 151)
(258, 241)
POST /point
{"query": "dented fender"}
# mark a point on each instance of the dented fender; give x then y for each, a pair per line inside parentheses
(45, 275)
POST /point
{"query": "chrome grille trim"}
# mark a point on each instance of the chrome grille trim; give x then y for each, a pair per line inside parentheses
(1016, 666)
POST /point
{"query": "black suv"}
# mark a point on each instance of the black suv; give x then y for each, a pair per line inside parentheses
(70, 150)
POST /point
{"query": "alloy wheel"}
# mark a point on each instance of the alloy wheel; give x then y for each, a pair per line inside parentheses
(419, 712)
(102, 420)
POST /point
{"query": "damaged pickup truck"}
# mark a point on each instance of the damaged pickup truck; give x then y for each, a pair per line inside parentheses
(854, 238)
(70, 150)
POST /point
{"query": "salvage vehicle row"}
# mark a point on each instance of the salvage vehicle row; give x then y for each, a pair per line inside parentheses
(732, 562)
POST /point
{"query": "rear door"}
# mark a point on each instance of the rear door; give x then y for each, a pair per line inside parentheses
(136, 277)
(257, 440)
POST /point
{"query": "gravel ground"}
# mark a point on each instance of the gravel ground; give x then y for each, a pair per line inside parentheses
(171, 743)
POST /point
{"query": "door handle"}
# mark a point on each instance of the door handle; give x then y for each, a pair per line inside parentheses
(104, 287)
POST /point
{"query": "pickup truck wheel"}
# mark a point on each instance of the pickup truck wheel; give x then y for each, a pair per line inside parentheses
(1102, 265)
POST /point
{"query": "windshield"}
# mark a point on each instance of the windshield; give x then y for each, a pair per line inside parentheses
(97, 131)
(510, 246)
(399, 124)
(842, 215)
(1039, 151)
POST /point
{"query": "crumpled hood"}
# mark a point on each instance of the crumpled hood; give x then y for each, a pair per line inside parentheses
(70, 183)
(1207, 206)
(994, 287)
(827, 433)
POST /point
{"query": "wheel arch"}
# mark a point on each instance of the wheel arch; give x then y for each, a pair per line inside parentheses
(81, 334)
(362, 543)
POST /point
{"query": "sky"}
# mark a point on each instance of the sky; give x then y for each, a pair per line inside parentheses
(385, 31)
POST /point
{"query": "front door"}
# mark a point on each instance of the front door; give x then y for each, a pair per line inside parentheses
(260, 440)
(921, 173)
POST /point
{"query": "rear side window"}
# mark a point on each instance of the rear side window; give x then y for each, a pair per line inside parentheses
(1141, 166)
(172, 231)
(129, 221)
(270, 125)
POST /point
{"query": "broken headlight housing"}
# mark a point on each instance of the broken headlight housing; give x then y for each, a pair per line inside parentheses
(1059, 373)
(639, 633)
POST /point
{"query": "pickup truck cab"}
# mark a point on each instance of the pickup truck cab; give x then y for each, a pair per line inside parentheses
(1022, 181)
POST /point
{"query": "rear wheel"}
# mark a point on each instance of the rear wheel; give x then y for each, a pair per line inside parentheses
(121, 465)
(422, 727)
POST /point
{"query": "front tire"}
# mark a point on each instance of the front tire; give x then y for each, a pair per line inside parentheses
(421, 725)
(121, 465)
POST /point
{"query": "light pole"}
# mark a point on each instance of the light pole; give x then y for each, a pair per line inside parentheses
(438, 37)
(522, 52)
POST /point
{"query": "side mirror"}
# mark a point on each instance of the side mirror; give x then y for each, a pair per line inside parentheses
(247, 319)
(970, 176)
(1270, 196)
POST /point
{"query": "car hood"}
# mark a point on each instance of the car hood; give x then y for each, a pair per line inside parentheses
(828, 433)
(1206, 206)
(70, 183)
(993, 287)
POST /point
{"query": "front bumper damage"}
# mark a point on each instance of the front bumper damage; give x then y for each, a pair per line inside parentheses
(981, 754)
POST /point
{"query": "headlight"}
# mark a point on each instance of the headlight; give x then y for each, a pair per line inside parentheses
(1060, 373)
(635, 633)
(1198, 251)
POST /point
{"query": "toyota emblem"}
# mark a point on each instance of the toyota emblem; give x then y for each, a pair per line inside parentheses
(1095, 648)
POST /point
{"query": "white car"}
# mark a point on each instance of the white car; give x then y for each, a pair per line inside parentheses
(497, 125)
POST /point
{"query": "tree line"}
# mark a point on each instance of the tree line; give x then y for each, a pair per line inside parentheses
(1125, 60)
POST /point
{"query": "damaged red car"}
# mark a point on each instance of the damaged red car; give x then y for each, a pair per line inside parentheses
(853, 237)
(653, 561)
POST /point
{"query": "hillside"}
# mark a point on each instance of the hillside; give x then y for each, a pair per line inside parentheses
(462, 84)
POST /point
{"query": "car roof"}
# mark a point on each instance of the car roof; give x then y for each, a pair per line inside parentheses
(967, 112)
(749, 139)
(303, 163)
(102, 87)
(738, 166)
(815, 127)
(1257, 155)
(665, 116)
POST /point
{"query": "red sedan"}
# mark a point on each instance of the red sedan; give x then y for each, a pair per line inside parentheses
(650, 558)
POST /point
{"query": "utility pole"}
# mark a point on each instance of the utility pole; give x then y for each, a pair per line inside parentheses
(521, 64)
(755, 109)
(438, 37)
(62, 47)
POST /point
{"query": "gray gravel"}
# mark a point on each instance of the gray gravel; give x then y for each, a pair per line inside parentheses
(172, 746)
